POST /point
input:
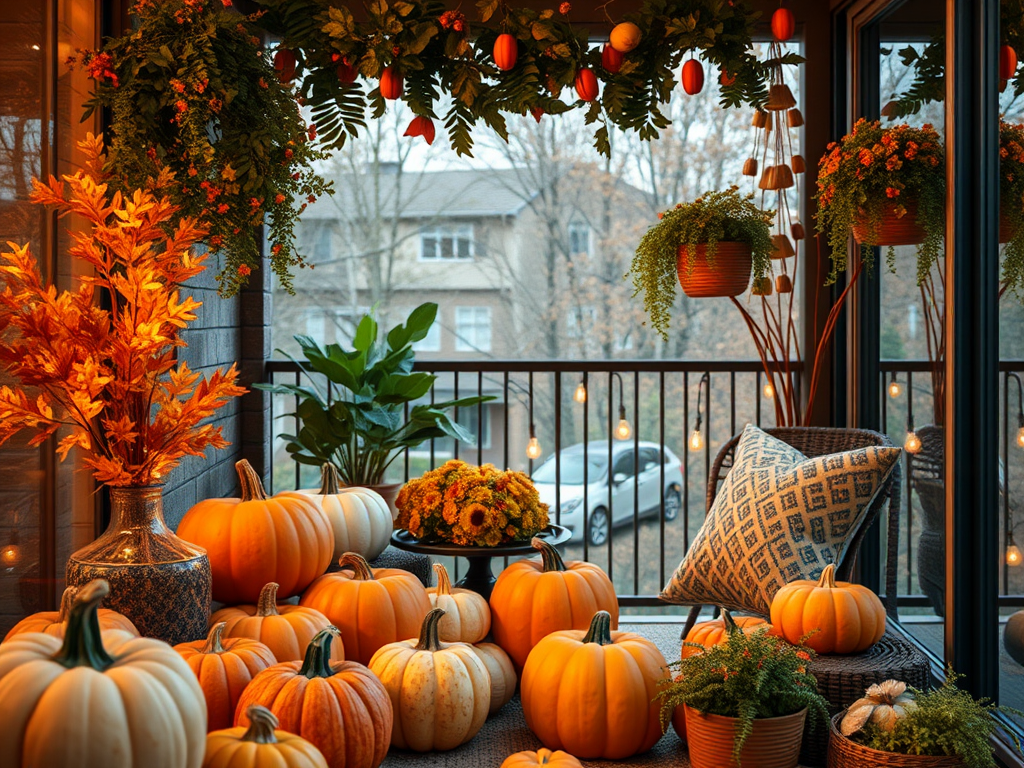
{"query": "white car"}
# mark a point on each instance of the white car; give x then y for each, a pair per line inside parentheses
(623, 485)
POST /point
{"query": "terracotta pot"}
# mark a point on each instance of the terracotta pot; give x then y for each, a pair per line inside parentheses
(775, 742)
(389, 493)
(890, 230)
(730, 275)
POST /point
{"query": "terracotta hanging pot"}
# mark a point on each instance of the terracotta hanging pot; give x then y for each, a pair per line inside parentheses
(890, 230)
(729, 276)
(774, 742)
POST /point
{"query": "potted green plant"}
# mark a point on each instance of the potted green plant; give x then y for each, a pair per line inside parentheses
(352, 411)
(712, 245)
(746, 701)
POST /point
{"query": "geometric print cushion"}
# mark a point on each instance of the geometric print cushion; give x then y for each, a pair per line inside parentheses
(778, 516)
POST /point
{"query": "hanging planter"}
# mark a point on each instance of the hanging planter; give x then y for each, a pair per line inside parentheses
(727, 275)
(774, 742)
(891, 228)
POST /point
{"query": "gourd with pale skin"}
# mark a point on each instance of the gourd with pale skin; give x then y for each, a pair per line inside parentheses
(716, 632)
(441, 692)
(371, 606)
(260, 745)
(528, 759)
(72, 703)
(833, 616)
(254, 540)
(593, 694)
(339, 707)
(224, 668)
(285, 629)
(467, 617)
(534, 598)
(55, 622)
(502, 673)
(883, 705)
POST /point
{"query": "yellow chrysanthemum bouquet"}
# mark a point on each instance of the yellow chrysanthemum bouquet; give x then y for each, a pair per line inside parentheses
(471, 506)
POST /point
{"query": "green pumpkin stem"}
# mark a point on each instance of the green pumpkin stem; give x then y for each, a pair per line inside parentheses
(83, 643)
(267, 604)
(429, 640)
(361, 569)
(213, 640)
(66, 601)
(600, 631)
(729, 622)
(252, 486)
(330, 483)
(317, 662)
(262, 724)
(549, 555)
(444, 584)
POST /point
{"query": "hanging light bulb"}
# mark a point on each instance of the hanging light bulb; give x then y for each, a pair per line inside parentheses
(913, 443)
(1013, 554)
(11, 552)
(533, 449)
(895, 388)
(580, 395)
(696, 440)
(623, 431)
(1020, 437)
(769, 390)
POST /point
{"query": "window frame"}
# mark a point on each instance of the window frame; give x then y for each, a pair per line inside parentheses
(463, 342)
(454, 231)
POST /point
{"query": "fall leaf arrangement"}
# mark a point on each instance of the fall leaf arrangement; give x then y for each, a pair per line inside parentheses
(1011, 205)
(471, 505)
(108, 377)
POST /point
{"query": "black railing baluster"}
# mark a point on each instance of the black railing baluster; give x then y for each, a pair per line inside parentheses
(505, 463)
(636, 482)
(686, 462)
(480, 418)
(558, 447)
(611, 479)
(586, 466)
(661, 475)
(298, 467)
(455, 416)
(707, 431)
(732, 402)
(757, 398)
(432, 445)
(1007, 525)
(910, 477)
(406, 457)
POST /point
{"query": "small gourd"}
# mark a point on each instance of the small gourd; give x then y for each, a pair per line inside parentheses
(502, 673)
(529, 759)
(467, 617)
(715, 632)
(883, 705)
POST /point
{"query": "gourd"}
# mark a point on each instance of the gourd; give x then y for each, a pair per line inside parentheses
(528, 758)
(55, 622)
(532, 599)
(594, 693)
(72, 704)
(586, 84)
(339, 707)
(223, 669)
(285, 629)
(506, 51)
(391, 83)
(883, 705)
(692, 77)
(716, 631)
(359, 517)
(371, 606)
(467, 617)
(261, 744)
(440, 692)
(624, 36)
(840, 617)
(502, 674)
(253, 540)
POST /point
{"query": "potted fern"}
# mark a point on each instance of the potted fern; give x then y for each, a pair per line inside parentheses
(712, 245)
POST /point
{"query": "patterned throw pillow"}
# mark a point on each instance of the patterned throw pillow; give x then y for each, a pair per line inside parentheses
(778, 516)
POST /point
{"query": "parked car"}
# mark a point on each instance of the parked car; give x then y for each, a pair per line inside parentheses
(627, 477)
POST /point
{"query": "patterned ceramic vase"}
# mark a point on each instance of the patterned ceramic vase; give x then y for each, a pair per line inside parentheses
(160, 582)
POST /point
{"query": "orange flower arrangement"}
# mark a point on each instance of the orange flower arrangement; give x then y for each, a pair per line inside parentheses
(471, 506)
(109, 376)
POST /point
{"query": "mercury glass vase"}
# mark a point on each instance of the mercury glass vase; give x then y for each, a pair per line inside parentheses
(159, 581)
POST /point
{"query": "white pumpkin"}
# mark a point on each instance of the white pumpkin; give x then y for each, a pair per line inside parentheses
(502, 672)
(467, 617)
(360, 517)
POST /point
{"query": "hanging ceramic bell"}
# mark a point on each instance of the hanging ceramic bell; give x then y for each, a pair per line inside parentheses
(776, 177)
(795, 118)
(762, 286)
(760, 119)
(783, 284)
(797, 231)
(750, 167)
(783, 247)
(797, 164)
(779, 98)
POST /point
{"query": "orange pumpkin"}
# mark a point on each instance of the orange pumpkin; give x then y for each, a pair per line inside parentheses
(506, 52)
(1007, 62)
(503, 674)
(224, 668)
(624, 37)
(372, 606)
(528, 759)
(716, 632)
(693, 77)
(253, 540)
(533, 599)
(783, 24)
(594, 693)
(586, 84)
(391, 83)
(611, 59)
(55, 622)
(284, 63)
(339, 707)
(260, 745)
(839, 616)
(467, 617)
(285, 629)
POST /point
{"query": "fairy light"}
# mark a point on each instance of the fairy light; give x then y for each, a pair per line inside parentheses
(1013, 555)
(623, 431)
(533, 448)
(913, 443)
(696, 441)
(895, 388)
(769, 390)
(580, 395)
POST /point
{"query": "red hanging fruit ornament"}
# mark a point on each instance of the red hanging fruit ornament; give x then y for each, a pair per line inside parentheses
(390, 83)
(346, 72)
(506, 52)
(421, 126)
(624, 37)
(586, 84)
(693, 77)
(783, 24)
(726, 79)
(1007, 62)
(284, 64)
(611, 58)
(537, 112)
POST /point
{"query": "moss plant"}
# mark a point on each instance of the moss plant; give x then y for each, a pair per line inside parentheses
(713, 218)
(1011, 204)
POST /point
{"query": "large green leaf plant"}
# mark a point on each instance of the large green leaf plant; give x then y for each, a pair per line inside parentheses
(352, 411)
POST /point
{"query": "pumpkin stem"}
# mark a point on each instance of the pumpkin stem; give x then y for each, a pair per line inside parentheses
(213, 640)
(66, 601)
(827, 580)
(262, 724)
(444, 584)
(330, 483)
(600, 631)
(361, 569)
(729, 622)
(252, 486)
(267, 605)
(549, 555)
(83, 644)
(429, 640)
(317, 662)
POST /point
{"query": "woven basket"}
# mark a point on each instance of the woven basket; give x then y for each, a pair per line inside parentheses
(775, 742)
(844, 753)
(890, 230)
(730, 275)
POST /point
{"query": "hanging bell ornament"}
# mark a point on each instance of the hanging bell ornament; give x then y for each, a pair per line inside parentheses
(779, 98)
(794, 118)
(776, 177)
(762, 286)
(797, 164)
(750, 167)
(783, 284)
(797, 231)
(760, 119)
(783, 247)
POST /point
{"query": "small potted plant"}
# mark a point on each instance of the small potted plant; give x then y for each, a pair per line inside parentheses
(886, 187)
(712, 244)
(746, 701)
(1011, 206)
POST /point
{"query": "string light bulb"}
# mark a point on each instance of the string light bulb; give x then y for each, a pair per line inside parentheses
(1013, 555)
(1020, 437)
(10, 555)
(895, 388)
(580, 395)
(696, 440)
(533, 449)
(769, 390)
(913, 443)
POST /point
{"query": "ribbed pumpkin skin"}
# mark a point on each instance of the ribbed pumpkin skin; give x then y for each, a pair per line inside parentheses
(594, 701)
(546, 757)
(55, 622)
(467, 617)
(586, 84)
(227, 749)
(371, 607)
(506, 52)
(844, 617)
(502, 673)
(709, 633)
(692, 77)
(391, 83)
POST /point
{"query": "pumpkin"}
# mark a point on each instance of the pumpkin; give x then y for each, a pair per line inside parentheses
(586, 84)
(1007, 62)
(716, 632)
(55, 622)
(253, 540)
(467, 617)
(502, 673)
(390, 83)
(527, 759)
(624, 37)
(506, 51)
(284, 63)
(440, 692)
(842, 617)
(224, 668)
(533, 599)
(594, 693)
(347, 74)
(372, 606)
(360, 518)
(339, 707)
(285, 629)
(692, 77)
(783, 24)
(72, 703)
(679, 717)
(611, 59)
(883, 704)
(261, 744)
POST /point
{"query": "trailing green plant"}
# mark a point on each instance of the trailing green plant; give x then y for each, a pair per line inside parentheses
(712, 218)
(873, 170)
(749, 677)
(352, 410)
(1011, 205)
